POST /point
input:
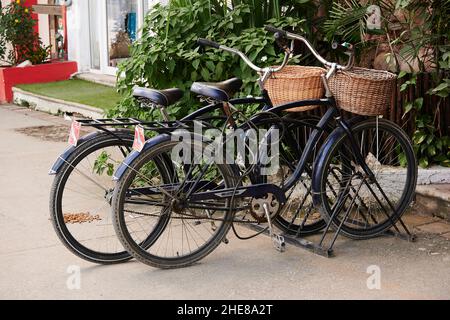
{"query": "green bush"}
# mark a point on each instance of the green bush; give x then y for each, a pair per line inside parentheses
(167, 55)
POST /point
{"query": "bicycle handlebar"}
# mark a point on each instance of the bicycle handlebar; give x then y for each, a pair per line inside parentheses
(274, 30)
(293, 36)
(208, 43)
(281, 35)
(345, 47)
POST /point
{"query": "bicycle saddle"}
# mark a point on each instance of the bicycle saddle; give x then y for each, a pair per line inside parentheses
(164, 98)
(219, 91)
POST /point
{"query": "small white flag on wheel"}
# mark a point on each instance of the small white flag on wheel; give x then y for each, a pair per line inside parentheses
(74, 134)
(139, 138)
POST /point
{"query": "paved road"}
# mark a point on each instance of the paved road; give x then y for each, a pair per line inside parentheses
(34, 265)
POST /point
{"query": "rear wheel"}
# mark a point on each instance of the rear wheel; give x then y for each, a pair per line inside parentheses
(80, 198)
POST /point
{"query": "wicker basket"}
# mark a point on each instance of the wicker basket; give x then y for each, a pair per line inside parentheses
(363, 91)
(295, 83)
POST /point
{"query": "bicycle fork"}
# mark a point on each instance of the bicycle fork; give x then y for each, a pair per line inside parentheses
(356, 151)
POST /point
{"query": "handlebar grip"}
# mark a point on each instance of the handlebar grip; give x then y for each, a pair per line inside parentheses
(208, 43)
(272, 29)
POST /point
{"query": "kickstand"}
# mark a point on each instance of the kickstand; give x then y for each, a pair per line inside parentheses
(295, 241)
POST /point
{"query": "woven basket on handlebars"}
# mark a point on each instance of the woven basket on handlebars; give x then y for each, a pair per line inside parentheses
(295, 83)
(363, 91)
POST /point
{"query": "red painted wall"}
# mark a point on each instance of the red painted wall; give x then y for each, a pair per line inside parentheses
(49, 72)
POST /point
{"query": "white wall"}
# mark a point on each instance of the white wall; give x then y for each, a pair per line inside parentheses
(44, 26)
(78, 34)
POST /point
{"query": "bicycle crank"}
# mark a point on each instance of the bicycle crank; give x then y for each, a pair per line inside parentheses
(258, 212)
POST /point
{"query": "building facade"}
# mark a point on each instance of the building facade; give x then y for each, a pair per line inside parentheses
(101, 31)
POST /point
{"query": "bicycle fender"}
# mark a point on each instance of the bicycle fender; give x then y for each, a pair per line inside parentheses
(68, 152)
(135, 154)
(320, 162)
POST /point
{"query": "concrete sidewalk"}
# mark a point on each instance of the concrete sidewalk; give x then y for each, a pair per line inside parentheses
(35, 265)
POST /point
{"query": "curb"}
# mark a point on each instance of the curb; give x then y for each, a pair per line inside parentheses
(434, 175)
(434, 200)
(55, 106)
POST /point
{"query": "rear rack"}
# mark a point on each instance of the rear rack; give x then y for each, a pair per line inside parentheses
(109, 122)
(157, 126)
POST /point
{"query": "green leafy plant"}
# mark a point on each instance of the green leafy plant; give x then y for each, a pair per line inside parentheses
(347, 20)
(102, 164)
(17, 29)
(167, 55)
(416, 34)
(427, 43)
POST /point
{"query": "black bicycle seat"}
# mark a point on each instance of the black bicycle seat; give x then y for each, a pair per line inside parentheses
(219, 91)
(164, 98)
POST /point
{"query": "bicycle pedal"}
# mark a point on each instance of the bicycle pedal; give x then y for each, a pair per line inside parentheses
(226, 241)
(279, 243)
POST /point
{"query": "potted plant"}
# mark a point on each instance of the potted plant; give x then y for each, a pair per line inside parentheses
(20, 44)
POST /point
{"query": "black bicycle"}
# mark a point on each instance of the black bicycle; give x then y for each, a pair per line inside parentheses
(182, 199)
(82, 190)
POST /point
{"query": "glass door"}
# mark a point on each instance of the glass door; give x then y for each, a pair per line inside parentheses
(122, 28)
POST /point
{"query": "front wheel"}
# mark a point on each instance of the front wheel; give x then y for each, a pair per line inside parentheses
(368, 206)
(157, 207)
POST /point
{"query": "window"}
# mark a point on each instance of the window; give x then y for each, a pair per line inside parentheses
(121, 17)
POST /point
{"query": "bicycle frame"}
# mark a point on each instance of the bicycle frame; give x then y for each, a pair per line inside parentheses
(260, 189)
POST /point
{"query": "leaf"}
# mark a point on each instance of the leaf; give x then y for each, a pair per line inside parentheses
(404, 86)
(205, 74)
(445, 163)
(210, 65)
(423, 162)
(419, 137)
(440, 158)
(219, 70)
(431, 151)
(195, 64)
(402, 74)
(418, 103)
(446, 56)
(171, 66)
(111, 170)
(439, 144)
(408, 108)
(440, 87)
